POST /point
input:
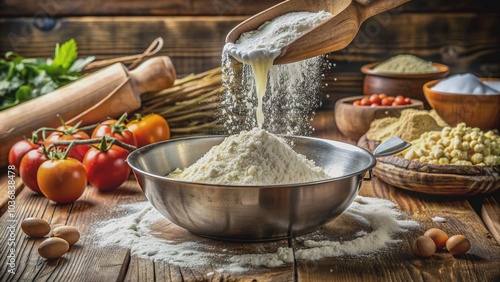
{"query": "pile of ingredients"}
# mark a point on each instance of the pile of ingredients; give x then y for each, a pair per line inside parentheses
(466, 83)
(435, 142)
(405, 64)
(459, 145)
(254, 157)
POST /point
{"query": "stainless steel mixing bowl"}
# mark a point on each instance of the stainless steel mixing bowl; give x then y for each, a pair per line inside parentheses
(250, 213)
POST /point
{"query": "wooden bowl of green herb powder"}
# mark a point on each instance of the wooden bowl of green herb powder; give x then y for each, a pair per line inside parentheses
(401, 75)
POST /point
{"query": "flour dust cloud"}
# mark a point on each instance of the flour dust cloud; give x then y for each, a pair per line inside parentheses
(292, 95)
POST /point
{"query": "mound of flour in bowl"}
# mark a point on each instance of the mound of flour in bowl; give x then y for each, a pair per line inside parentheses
(254, 157)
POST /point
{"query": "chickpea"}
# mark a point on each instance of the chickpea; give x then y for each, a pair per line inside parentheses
(443, 161)
(478, 148)
(477, 158)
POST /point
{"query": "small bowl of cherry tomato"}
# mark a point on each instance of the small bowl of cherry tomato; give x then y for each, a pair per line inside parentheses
(393, 84)
(353, 115)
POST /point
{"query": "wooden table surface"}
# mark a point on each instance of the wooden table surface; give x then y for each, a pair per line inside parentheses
(475, 217)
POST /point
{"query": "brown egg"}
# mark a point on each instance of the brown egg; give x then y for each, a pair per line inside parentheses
(438, 236)
(68, 233)
(35, 227)
(424, 246)
(458, 245)
(53, 248)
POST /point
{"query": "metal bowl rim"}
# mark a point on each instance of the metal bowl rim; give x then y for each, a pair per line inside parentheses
(135, 155)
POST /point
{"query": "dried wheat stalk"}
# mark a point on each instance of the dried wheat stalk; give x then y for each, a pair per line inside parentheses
(191, 105)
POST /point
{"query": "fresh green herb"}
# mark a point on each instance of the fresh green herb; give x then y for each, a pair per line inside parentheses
(22, 79)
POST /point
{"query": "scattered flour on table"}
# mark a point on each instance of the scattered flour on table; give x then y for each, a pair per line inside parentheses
(381, 220)
(133, 231)
(439, 219)
(254, 157)
(379, 214)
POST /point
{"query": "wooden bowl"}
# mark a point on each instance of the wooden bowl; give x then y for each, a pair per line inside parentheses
(354, 121)
(393, 84)
(445, 180)
(481, 111)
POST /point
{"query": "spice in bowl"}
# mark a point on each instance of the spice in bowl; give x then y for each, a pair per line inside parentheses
(409, 126)
(405, 64)
(465, 84)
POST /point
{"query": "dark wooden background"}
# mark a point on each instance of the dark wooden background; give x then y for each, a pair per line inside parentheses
(464, 34)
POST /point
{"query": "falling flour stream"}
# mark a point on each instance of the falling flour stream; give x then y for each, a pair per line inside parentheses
(259, 48)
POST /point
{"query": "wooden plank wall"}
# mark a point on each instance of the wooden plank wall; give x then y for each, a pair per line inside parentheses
(464, 34)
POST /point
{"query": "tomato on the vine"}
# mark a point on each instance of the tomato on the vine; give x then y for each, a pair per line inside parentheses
(62, 180)
(106, 168)
(29, 167)
(149, 129)
(69, 133)
(116, 129)
(18, 150)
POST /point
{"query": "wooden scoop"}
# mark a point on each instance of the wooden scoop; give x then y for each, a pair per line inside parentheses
(331, 35)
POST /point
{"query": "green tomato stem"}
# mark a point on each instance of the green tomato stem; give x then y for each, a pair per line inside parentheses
(92, 141)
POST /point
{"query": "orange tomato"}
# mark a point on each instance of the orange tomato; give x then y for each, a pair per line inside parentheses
(62, 180)
(374, 99)
(149, 129)
(365, 101)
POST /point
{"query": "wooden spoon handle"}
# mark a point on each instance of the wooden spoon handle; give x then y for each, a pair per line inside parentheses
(153, 75)
(370, 8)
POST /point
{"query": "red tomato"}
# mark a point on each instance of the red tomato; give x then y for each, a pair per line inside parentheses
(374, 98)
(357, 103)
(29, 168)
(407, 100)
(149, 129)
(365, 101)
(385, 102)
(62, 181)
(114, 129)
(382, 96)
(396, 103)
(106, 170)
(400, 99)
(18, 150)
(374, 105)
(78, 151)
(391, 99)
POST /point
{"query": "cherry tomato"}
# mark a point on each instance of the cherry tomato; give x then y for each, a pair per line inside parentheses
(18, 150)
(106, 170)
(365, 101)
(396, 103)
(149, 129)
(29, 167)
(407, 100)
(374, 99)
(116, 129)
(62, 180)
(78, 151)
(357, 103)
(400, 99)
(385, 102)
(382, 96)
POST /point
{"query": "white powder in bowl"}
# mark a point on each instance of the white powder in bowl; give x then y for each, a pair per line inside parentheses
(254, 157)
(464, 84)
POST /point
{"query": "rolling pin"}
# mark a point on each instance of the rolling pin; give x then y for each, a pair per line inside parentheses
(109, 92)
